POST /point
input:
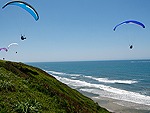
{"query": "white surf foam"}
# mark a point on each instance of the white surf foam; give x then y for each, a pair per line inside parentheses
(60, 73)
(54, 72)
(140, 61)
(107, 91)
(106, 80)
(124, 95)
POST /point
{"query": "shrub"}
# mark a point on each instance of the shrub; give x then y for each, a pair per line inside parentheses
(27, 106)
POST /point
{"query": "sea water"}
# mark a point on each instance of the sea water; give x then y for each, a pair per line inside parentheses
(126, 81)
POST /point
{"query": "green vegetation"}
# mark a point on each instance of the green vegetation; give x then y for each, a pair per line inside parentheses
(27, 89)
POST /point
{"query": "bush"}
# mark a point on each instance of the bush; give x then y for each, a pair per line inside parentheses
(27, 106)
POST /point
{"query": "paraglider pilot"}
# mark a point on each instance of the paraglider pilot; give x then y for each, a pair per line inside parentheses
(22, 37)
(131, 46)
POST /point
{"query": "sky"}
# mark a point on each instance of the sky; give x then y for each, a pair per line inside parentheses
(76, 30)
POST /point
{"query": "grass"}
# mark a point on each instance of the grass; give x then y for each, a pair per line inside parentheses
(27, 89)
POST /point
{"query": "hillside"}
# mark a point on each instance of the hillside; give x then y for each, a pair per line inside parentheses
(27, 89)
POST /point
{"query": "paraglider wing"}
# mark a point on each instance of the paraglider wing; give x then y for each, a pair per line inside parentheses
(12, 44)
(4, 49)
(130, 22)
(25, 6)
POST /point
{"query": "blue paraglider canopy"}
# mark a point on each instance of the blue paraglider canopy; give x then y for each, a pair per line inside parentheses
(130, 22)
(25, 6)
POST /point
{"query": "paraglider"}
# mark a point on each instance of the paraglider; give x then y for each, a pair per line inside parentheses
(130, 22)
(27, 7)
(12, 44)
(4, 49)
(24, 6)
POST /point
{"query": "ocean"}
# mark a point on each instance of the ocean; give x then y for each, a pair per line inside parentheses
(126, 82)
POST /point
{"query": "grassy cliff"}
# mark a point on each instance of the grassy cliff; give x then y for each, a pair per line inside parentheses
(27, 89)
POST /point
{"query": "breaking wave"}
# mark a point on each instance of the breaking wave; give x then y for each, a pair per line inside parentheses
(107, 91)
(106, 80)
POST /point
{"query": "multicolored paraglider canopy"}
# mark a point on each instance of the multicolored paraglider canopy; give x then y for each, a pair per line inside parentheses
(130, 22)
(4, 49)
(25, 6)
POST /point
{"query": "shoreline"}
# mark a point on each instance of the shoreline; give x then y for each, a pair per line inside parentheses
(113, 105)
(126, 102)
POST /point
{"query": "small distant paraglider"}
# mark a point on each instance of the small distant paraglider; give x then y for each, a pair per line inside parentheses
(130, 22)
(12, 44)
(5, 50)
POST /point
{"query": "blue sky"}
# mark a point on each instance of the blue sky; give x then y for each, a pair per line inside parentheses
(76, 30)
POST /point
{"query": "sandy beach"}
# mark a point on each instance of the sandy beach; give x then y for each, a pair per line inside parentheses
(113, 106)
(118, 106)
